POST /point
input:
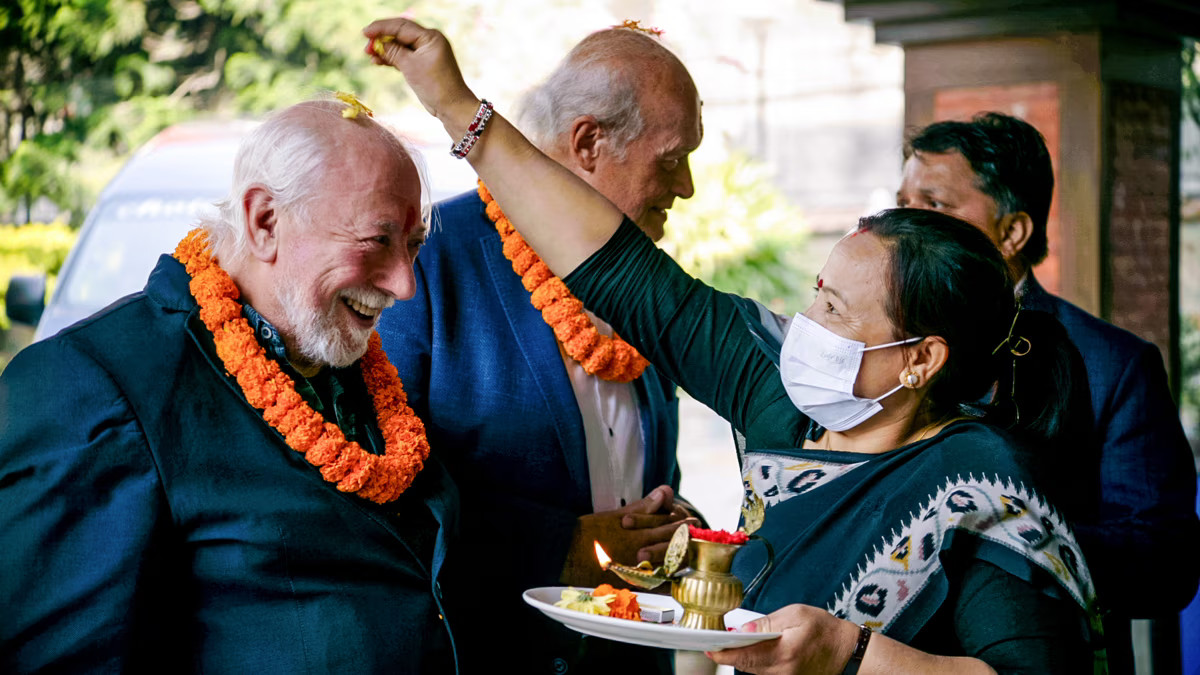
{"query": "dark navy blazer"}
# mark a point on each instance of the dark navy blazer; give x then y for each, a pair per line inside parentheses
(150, 520)
(1139, 545)
(484, 371)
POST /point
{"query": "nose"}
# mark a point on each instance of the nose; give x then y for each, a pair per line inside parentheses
(812, 312)
(683, 187)
(397, 277)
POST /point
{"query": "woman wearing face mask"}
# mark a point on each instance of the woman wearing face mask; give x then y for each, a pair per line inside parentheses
(908, 535)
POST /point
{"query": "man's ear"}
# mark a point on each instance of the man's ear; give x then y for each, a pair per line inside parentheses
(261, 221)
(1015, 229)
(583, 141)
(925, 360)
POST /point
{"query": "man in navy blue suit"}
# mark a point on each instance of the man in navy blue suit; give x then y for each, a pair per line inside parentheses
(160, 514)
(548, 457)
(995, 173)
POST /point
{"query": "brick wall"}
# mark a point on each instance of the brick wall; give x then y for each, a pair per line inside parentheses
(1038, 104)
(1138, 277)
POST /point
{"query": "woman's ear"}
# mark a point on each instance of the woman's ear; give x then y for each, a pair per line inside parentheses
(261, 222)
(584, 142)
(925, 360)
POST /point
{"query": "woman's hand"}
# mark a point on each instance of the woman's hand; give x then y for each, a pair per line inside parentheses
(427, 62)
(559, 215)
(814, 641)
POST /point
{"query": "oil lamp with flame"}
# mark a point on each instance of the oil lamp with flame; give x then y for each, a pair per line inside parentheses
(703, 586)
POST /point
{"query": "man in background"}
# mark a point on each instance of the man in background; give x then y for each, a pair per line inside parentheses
(995, 173)
(550, 457)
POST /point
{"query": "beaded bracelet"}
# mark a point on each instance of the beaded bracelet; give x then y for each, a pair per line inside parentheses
(461, 148)
(860, 649)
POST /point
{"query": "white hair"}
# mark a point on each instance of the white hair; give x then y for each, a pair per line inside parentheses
(289, 154)
(598, 77)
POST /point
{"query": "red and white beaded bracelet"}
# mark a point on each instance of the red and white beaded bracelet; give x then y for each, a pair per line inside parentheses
(461, 148)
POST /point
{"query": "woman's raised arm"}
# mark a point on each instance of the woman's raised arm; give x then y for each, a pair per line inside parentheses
(560, 215)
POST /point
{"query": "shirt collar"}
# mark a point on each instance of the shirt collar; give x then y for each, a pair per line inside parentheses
(268, 336)
(1019, 289)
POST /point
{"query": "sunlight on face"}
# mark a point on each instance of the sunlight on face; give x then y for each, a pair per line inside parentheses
(851, 302)
(655, 172)
(348, 255)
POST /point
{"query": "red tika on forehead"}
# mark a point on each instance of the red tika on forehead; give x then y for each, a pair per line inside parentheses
(820, 283)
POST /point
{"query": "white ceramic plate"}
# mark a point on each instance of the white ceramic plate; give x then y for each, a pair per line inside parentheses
(668, 636)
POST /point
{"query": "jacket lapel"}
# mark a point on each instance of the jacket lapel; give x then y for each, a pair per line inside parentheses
(537, 345)
(443, 504)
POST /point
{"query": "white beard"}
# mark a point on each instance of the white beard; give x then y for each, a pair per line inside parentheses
(318, 336)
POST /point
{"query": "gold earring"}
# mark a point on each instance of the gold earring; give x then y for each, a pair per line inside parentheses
(911, 380)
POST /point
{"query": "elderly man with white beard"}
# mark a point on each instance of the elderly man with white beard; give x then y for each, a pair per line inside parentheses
(221, 473)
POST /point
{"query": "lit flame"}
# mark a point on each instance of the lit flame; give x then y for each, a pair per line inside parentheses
(605, 561)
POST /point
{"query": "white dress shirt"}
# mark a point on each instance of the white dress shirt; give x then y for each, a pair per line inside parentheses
(612, 429)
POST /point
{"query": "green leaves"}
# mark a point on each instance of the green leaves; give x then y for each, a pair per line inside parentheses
(105, 75)
(741, 235)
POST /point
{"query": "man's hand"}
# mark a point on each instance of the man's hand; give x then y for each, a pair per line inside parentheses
(638, 531)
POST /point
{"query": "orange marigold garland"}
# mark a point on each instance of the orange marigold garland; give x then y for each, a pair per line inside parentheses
(609, 358)
(379, 478)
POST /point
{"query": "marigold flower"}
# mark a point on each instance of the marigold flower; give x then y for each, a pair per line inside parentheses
(561, 310)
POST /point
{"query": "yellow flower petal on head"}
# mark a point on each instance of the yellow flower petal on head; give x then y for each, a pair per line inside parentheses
(354, 106)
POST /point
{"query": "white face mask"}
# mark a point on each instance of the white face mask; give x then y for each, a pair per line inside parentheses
(819, 367)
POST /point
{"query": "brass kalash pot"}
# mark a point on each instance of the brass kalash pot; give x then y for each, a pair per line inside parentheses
(704, 587)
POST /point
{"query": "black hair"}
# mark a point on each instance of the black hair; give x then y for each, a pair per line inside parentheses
(947, 279)
(1011, 165)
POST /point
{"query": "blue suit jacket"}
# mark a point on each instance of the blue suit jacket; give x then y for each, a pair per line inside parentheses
(483, 370)
(1137, 543)
(150, 520)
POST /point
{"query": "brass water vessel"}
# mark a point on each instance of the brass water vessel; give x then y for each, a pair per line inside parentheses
(699, 572)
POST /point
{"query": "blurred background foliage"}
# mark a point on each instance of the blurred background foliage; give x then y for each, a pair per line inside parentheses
(1189, 329)
(84, 83)
(25, 249)
(740, 234)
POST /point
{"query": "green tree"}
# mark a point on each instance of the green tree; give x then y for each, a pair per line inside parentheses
(90, 80)
(741, 235)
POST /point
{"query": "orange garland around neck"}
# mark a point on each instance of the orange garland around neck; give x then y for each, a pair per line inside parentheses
(610, 359)
(379, 478)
